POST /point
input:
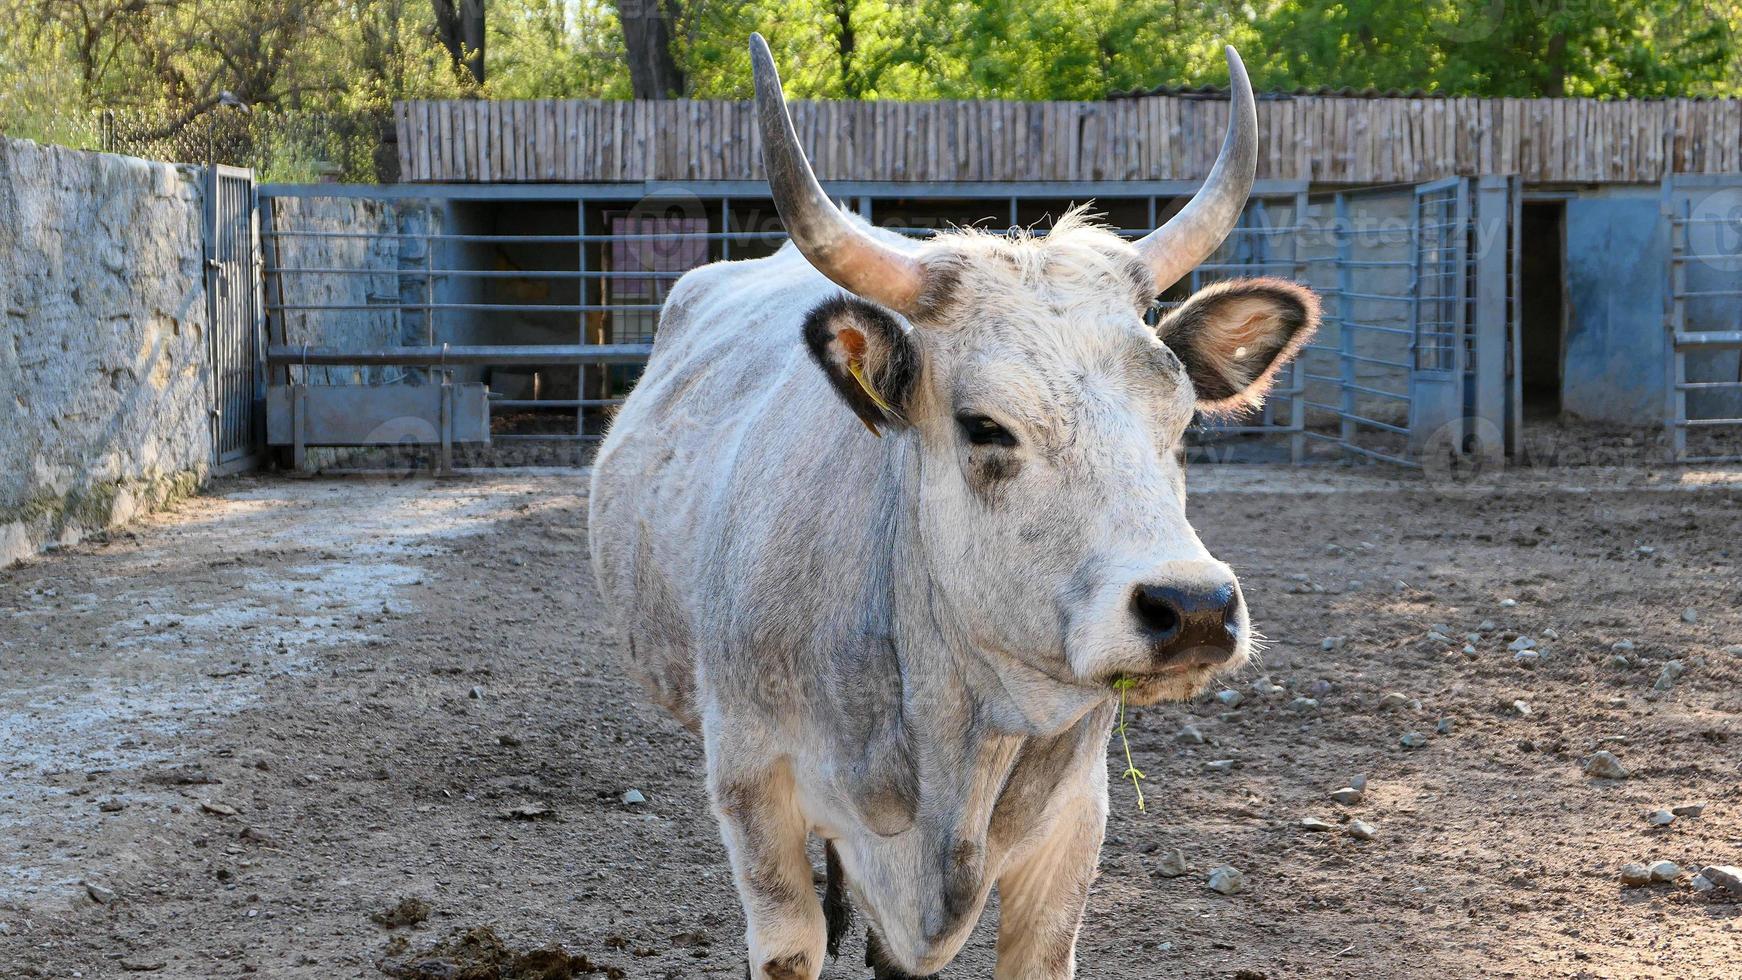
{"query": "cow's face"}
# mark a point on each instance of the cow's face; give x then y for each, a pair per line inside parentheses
(1046, 421)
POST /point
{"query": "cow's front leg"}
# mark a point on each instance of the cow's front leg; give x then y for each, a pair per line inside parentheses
(765, 838)
(1042, 896)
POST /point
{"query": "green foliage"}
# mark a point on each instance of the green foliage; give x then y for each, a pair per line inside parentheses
(162, 66)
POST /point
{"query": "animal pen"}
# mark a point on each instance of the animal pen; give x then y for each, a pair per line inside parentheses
(1482, 262)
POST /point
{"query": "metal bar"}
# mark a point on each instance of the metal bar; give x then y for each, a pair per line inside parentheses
(1369, 453)
(554, 402)
(542, 239)
(1708, 423)
(1706, 257)
(632, 190)
(1387, 297)
(1699, 385)
(1710, 339)
(482, 273)
(1360, 419)
(1252, 430)
(581, 327)
(1345, 339)
(1675, 322)
(444, 354)
(521, 307)
(543, 437)
(1375, 328)
(1491, 221)
(1363, 389)
(1382, 362)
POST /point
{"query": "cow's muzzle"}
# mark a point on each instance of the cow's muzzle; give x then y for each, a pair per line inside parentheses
(1189, 625)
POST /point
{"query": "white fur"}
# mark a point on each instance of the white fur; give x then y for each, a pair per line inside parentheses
(853, 612)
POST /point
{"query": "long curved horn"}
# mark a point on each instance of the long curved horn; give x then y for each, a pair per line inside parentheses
(839, 249)
(1194, 234)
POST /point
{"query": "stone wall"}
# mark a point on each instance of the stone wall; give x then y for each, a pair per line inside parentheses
(316, 234)
(103, 342)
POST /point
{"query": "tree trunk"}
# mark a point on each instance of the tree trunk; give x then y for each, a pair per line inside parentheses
(846, 46)
(1556, 84)
(459, 27)
(647, 33)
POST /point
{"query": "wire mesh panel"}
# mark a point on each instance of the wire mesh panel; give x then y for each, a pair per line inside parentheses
(1442, 230)
(233, 305)
(1360, 372)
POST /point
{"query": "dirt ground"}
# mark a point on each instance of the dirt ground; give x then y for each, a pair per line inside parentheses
(236, 737)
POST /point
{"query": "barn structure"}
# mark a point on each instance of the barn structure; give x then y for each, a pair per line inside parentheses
(1485, 262)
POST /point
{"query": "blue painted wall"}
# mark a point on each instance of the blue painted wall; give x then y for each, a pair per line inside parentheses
(1616, 351)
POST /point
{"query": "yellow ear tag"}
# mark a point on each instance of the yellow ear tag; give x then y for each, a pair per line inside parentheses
(856, 368)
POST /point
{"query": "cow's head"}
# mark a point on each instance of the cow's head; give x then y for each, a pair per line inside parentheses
(1045, 417)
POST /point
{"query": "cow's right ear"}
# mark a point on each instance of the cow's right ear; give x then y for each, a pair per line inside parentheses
(867, 356)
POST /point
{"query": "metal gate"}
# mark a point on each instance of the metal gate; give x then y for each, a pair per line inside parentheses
(233, 307)
(1414, 365)
(1703, 317)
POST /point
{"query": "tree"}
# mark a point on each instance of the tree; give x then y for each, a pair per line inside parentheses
(459, 26)
(648, 32)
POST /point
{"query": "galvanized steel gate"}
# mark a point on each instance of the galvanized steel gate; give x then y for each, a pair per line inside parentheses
(1703, 317)
(233, 306)
(1417, 361)
(1415, 365)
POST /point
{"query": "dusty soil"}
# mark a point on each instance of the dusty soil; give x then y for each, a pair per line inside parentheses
(237, 739)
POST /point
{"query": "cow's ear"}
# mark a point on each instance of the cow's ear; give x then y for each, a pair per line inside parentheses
(1234, 336)
(867, 356)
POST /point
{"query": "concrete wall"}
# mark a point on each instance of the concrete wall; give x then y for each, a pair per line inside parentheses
(1616, 348)
(373, 278)
(103, 342)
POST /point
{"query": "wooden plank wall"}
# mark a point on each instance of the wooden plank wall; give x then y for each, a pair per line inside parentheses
(1322, 139)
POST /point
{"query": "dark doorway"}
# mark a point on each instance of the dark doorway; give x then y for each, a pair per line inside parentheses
(1543, 309)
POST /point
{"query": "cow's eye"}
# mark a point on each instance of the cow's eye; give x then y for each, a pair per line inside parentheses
(982, 431)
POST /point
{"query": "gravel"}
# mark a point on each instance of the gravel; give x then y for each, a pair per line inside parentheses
(1172, 864)
(1727, 877)
(1227, 880)
(1604, 765)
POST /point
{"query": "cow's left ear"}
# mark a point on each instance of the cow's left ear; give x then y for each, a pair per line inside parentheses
(1234, 336)
(867, 355)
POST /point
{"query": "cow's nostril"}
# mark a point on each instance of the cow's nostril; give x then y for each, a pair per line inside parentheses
(1157, 609)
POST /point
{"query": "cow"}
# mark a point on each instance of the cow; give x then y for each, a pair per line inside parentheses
(911, 642)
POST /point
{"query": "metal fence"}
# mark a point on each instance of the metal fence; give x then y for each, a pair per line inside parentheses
(1415, 362)
(353, 146)
(580, 272)
(1703, 317)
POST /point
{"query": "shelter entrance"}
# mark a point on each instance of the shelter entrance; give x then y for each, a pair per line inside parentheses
(1542, 295)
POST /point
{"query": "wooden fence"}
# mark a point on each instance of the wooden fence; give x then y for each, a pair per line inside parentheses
(1323, 139)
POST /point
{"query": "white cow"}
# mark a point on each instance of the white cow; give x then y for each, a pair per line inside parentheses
(906, 641)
